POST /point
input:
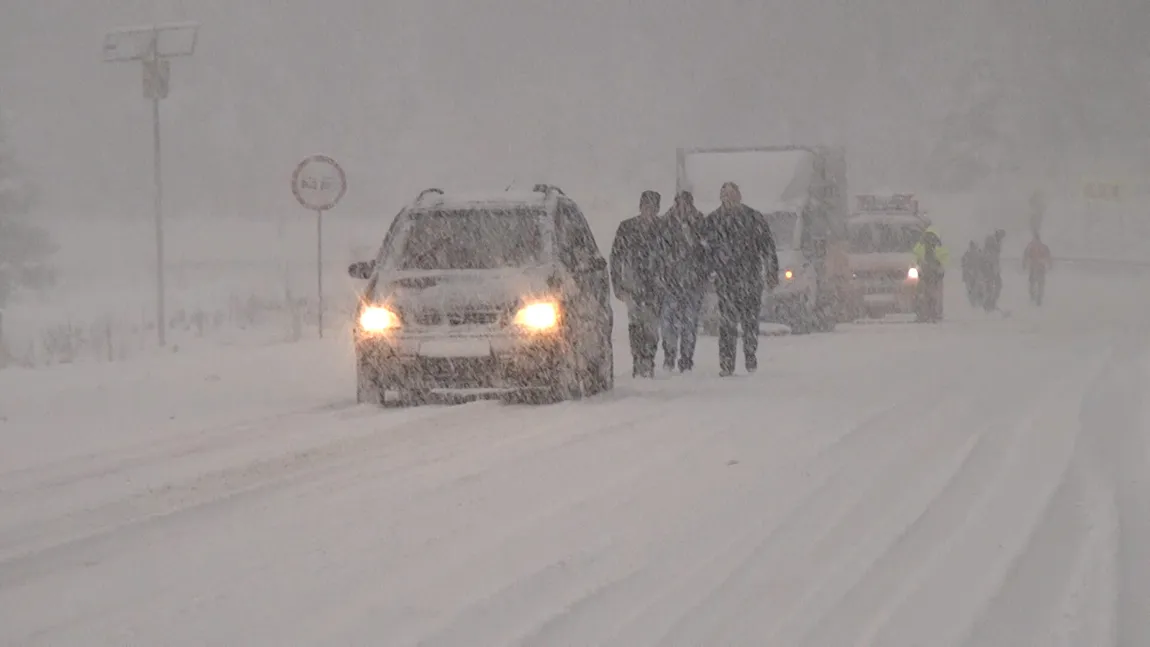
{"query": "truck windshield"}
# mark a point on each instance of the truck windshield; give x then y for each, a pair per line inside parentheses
(473, 239)
(878, 238)
(783, 224)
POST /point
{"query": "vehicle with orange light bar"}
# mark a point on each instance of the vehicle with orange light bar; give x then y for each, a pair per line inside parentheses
(506, 293)
(883, 232)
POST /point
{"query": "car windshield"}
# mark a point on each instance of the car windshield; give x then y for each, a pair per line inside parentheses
(473, 239)
(881, 238)
(782, 224)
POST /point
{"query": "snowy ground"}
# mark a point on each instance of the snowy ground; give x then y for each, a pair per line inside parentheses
(979, 482)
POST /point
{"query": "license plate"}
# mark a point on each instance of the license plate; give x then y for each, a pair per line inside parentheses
(455, 348)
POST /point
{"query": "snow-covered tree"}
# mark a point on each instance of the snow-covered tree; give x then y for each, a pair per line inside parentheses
(25, 247)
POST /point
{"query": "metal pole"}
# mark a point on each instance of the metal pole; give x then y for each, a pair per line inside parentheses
(319, 264)
(161, 319)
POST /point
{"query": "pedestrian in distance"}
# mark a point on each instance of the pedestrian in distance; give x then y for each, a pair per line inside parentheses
(638, 276)
(741, 256)
(686, 279)
(970, 267)
(992, 269)
(1036, 261)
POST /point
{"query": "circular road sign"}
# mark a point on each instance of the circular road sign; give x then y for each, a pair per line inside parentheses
(318, 183)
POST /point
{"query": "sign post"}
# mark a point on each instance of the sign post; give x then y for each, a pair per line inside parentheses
(318, 183)
(153, 46)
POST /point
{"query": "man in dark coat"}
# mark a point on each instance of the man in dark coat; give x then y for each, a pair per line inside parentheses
(992, 260)
(638, 275)
(741, 254)
(970, 266)
(686, 266)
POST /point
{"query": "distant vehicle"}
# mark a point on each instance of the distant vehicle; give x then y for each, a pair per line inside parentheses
(883, 232)
(505, 292)
(802, 190)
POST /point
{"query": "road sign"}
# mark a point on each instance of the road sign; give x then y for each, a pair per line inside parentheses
(152, 46)
(318, 183)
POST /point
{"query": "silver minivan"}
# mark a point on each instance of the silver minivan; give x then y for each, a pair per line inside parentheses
(505, 293)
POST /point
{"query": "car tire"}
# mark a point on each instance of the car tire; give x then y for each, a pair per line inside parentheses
(801, 319)
(600, 376)
(568, 381)
(368, 390)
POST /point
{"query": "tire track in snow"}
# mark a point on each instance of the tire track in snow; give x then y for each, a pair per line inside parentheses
(884, 435)
(471, 548)
(921, 547)
(943, 605)
(1115, 413)
(799, 569)
(24, 547)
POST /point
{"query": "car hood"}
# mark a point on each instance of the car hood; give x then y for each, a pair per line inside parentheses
(887, 261)
(462, 290)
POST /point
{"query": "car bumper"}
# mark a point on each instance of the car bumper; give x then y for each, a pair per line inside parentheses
(424, 363)
(878, 301)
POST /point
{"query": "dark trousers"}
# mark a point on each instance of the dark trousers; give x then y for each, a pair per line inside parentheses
(680, 328)
(1037, 286)
(739, 307)
(643, 332)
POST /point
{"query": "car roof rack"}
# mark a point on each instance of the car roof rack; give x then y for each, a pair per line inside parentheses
(424, 193)
(547, 188)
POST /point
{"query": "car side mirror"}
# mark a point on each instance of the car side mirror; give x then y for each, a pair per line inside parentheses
(361, 270)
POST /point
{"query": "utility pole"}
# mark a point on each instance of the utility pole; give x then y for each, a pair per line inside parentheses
(152, 46)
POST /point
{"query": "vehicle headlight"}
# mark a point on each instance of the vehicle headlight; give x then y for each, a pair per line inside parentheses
(538, 316)
(912, 273)
(788, 274)
(377, 319)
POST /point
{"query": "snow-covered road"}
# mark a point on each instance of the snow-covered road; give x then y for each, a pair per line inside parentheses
(980, 482)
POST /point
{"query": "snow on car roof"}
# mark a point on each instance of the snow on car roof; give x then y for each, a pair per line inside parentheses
(488, 199)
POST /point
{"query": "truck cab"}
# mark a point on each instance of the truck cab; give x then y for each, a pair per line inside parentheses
(801, 190)
(882, 234)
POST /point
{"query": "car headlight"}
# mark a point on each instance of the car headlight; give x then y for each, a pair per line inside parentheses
(912, 273)
(538, 316)
(377, 319)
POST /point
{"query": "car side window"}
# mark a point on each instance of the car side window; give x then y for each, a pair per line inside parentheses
(579, 248)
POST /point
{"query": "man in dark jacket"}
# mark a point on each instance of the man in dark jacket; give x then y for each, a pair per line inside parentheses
(741, 253)
(970, 266)
(682, 231)
(638, 275)
(992, 260)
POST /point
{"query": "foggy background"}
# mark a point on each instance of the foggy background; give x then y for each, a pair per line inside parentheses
(591, 95)
(973, 105)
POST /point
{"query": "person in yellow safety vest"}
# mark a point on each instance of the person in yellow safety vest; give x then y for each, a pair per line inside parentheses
(930, 256)
(940, 252)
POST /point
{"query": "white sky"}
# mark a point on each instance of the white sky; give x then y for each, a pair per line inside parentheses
(593, 95)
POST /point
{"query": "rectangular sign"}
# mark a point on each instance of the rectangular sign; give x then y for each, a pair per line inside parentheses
(461, 347)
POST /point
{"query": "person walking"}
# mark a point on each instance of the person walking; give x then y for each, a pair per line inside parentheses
(638, 276)
(1036, 260)
(741, 253)
(685, 262)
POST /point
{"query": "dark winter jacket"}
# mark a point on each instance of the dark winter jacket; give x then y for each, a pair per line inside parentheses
(685, 255)
(638, 265)
(740, 249)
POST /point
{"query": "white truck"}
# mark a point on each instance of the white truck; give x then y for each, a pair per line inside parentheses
(802, 191)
